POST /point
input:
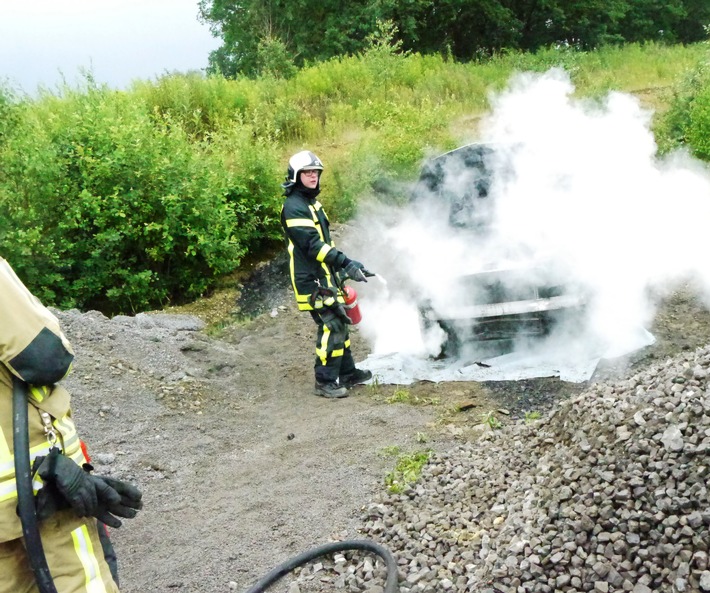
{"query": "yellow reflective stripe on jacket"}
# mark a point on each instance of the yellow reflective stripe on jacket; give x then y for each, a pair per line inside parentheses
(87, 555)
(323, 252)
(8, 490)
(301, 299)
(316, 224)
(291, 265)
(291, 222)
(7, 464)
(39, 392)
(8, 486)
(69, 440)
(5, 454)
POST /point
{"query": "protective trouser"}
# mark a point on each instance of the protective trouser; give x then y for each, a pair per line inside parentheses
(108, 551)
(333, 356)
(74, 556)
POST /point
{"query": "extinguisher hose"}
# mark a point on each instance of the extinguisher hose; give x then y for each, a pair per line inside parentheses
(25, 493)
(391, 584)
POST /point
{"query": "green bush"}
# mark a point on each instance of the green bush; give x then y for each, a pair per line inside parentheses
(8, 113)
(699, 132)
(201, 105)
(687, 121)
(247, 173)
(102, 207)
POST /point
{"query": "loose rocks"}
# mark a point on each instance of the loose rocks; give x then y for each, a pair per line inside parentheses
(606, 494)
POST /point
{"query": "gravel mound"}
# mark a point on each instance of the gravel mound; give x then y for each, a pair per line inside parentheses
(607, 493)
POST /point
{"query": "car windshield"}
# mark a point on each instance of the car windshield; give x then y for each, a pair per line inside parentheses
(461, 179)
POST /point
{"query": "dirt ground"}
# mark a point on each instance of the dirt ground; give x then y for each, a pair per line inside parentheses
(240, 465)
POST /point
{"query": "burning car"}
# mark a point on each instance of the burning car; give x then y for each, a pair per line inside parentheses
(503, 291)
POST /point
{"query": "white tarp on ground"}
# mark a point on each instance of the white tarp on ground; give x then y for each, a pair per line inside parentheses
(572, 363)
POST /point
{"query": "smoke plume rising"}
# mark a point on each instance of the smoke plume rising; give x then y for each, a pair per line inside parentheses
(581, 185)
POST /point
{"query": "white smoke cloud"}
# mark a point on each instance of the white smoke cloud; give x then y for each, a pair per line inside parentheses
(584, 186)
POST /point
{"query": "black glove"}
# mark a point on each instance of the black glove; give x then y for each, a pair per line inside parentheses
(68, 485)
(356, 271)
(64, 477)
(116, 498)
(48, 501)
(335, 319)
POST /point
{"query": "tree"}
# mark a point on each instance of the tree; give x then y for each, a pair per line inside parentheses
(305, 31)
(308, 30)
(463, 29)
(693, 26)
(651, 20)
(273, 59)
(240, 25)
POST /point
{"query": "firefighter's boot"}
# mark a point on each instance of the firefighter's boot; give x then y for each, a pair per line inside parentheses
(331, 390)
(356, 377)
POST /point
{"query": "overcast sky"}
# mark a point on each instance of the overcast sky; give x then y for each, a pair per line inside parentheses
(44, 41)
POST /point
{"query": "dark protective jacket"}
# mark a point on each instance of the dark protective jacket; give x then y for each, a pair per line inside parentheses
(33, 348)
(313, 258)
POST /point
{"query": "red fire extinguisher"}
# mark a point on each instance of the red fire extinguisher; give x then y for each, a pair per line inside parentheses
(352, 309)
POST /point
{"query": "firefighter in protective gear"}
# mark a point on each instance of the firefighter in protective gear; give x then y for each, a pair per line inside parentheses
(315, 264)
(34, 349)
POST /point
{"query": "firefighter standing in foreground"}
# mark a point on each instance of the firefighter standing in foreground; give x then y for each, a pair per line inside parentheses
(315, 264)
(33, 349)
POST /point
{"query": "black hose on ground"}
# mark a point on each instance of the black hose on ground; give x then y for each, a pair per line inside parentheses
(391, 585)
(25, 494)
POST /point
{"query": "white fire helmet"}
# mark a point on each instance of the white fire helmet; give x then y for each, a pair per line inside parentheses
(302, 161)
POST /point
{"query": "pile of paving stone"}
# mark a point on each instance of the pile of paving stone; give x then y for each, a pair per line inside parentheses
(608, 493)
